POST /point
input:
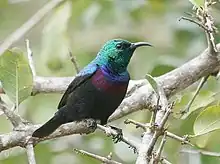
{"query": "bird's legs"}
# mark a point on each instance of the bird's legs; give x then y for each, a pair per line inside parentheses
(119, 134)
(114, 132)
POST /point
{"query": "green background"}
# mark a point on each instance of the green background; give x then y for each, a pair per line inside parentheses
(83, 26)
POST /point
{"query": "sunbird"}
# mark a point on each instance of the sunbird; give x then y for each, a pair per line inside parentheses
(97, 90)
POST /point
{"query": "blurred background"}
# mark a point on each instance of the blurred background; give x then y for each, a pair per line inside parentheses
(83, 26)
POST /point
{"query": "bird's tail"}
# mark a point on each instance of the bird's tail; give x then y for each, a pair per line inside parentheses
(49, 127)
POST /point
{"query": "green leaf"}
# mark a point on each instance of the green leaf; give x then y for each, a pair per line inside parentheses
(15, 75)
(207, 121)
(198, 3)
(153, 83)
(204, 99)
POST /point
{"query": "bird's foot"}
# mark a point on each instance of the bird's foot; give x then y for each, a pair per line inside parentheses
(133, 148)
(118, 135)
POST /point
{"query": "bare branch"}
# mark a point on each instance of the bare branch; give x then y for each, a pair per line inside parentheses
(30, 154)
(165, 161)
(21, 137)
(28, 25)
(150, 137)
(203, 152)
(140, 96)
(172, 82)
(202, 82)
(73, 59)
(209, 23)
(109, 157)
(156, 159)
(111, 132)
(154, 113)
(30, 58)
(183, 140)
(15, 119)
(137, 124)
(196, 22)
(97, 157)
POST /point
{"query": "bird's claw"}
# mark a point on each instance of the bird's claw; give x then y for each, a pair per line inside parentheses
(118, 136)
(133, 148)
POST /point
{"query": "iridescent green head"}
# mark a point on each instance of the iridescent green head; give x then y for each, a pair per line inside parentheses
(116, 54)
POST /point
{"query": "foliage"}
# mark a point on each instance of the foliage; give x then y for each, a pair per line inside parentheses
(83, 26)
(16, 76)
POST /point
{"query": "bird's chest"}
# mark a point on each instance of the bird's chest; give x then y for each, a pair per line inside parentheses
(109, 86)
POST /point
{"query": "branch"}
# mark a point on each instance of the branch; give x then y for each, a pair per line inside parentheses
(73, 59)
(209, 23)
(183, 140)
(108, 157)
(172, 82)
(111, 132)
(165, 161)
(203, 152)
(97, 157)
(196, 22)
(202, 82)
(156, 159)
(140, 96)
(151, 135)
(15, 119)
(28, 25)
(30, 154)
(21, 137)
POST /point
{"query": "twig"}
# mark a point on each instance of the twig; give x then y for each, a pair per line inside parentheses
(140, 98)
(109, 157)
(30, 58)
(202, 82)
(154, 113)
(183, 140)
(73, 59)
(111, 132)
(137, 124)
(209, 23)
(194, 21)
(165, 117)
(30, 154)
(203, 152)
(150, 137)
(165, 161)
(97, 157)
(172, 82)
(15, 119)
(158, 132)
(156, 159)
(28, 25)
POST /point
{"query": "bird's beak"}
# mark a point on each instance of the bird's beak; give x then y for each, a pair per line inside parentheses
(139, 44)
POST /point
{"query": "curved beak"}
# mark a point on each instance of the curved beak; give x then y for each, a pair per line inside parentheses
(139, 44)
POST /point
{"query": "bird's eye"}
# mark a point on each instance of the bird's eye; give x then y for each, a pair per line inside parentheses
(119, 46)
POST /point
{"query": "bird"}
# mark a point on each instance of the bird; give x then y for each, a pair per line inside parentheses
(97, 90)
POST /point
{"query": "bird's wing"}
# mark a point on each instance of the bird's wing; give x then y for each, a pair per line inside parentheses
(83, 76)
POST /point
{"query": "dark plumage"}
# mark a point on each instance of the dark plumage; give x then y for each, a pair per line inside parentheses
(97, 90)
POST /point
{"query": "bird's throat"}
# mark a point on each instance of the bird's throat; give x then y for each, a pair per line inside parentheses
(104, 81)
(114, 75)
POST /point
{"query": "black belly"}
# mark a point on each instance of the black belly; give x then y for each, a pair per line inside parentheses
(87, 101)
